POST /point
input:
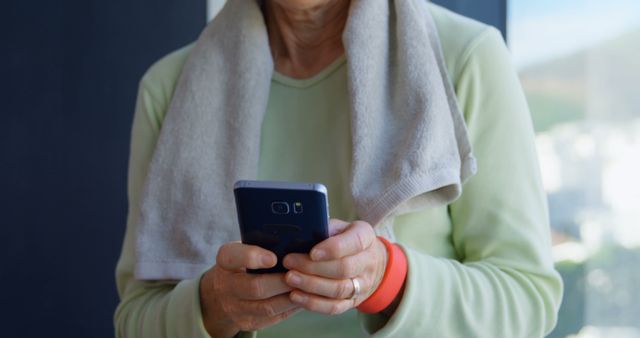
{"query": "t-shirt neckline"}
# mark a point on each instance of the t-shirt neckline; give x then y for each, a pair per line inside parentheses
(311, 81)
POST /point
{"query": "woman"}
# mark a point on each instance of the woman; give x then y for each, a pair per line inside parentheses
(478, 266)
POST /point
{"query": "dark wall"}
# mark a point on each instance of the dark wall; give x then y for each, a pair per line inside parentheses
(493, 12)
(69, 74)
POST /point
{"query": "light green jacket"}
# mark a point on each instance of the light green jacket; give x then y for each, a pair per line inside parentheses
(480, 267)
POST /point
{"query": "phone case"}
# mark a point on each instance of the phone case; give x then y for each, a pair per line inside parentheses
(283, 217)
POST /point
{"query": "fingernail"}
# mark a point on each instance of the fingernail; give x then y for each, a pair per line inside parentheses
(267, 260)
(298, 298)
(318, 254)
(294, 279)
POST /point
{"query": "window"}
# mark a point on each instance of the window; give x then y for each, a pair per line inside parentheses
(213, 7)
(579, 63)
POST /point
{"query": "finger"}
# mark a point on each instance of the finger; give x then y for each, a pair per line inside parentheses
(327, 287)
(357, 237)
(347, 267)
(321, 304)
(337, 226)
(236, 256)
(271, 307)
(259, 286)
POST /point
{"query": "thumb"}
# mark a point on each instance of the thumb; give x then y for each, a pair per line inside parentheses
(337, 226)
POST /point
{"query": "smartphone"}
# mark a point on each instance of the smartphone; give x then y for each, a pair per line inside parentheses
(282, 217)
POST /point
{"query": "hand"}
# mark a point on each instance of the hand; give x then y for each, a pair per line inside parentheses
(322, 279)
(233, 300)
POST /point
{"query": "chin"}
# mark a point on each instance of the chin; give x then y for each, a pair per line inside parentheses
(302, 4)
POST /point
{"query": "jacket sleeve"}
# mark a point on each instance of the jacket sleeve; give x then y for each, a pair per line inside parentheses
(150, 309)
(504, 283)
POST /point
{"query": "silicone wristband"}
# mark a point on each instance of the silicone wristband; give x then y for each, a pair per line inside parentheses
(392, 281)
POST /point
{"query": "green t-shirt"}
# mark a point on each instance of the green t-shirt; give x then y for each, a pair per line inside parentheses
(306, 134)
(480, 267)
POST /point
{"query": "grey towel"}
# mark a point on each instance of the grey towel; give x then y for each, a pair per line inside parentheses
(410, 145)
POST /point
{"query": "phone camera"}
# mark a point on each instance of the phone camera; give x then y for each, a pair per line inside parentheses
(280, 208)
(297, 207)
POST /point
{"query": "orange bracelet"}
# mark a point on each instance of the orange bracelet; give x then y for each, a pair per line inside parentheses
(392, 281)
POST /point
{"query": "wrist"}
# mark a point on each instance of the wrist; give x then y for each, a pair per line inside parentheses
(214, 319)
(381, 266)
(390, 287)
(217, 327)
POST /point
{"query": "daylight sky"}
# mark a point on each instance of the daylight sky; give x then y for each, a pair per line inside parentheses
(542, 29)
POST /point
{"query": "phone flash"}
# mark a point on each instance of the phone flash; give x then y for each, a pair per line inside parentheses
(297, 207)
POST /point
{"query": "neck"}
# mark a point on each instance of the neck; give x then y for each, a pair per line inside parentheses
(305, 39)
